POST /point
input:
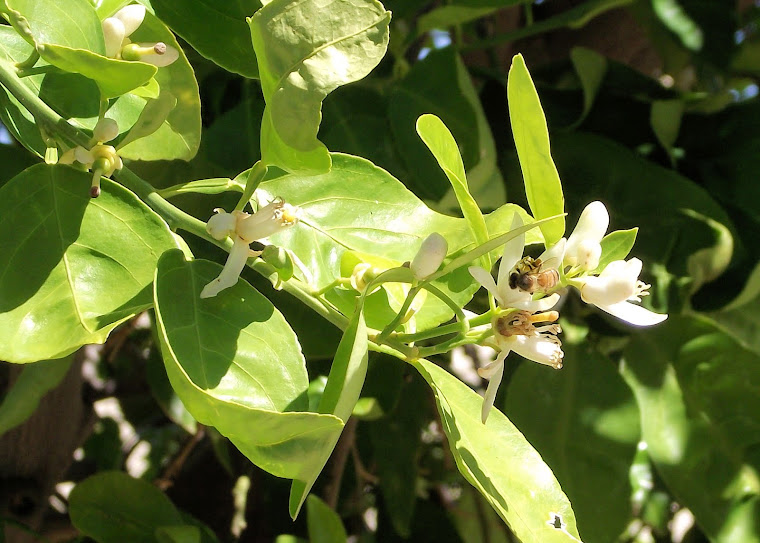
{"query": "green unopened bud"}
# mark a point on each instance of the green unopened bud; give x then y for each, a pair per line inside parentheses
(280, 260)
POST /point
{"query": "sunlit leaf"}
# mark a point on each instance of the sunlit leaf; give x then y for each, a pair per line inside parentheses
(344, 384)
(542, 184)
(584, 421)
(236, 365)
(497, 460)
(72, 267)
(300, 64)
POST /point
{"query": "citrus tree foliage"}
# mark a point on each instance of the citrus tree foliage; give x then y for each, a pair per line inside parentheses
(390, 287)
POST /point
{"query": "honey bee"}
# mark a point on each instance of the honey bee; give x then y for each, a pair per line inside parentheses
(529, 276)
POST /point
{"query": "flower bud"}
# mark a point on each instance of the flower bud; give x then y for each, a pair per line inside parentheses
(131, 17)
(430, 256)
(617, 282)
(583, 243)
(105, 130)
(221, 225)
(113, 35)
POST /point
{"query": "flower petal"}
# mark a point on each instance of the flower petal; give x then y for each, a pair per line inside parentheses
(536, 306)
(539, 349)
(552, 257)
(231, 272)
(513, 252)
(493, 387)
(113, 36)
(633, 314)
(484, 278)
(131, 17)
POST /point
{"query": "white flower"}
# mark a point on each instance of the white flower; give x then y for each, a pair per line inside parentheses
(430, 256)
(614, 289)
(101, 159)
(244, 228)
(116, 32)
(583, 247)
(517, 332)
(509, 297)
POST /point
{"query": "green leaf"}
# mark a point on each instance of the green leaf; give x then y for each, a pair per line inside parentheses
(344, 384)
(178, 534)
(452, 15)
(497, 460)
(69, 23)
(113, 77)
(444, 148)
(203, 22)
(359, 207)
(591, 68)
(72, 268)
(323, 523)
(584, 421)
(697, 394)
(616, 246)
(112, 507)
(301, 63)
(179, 135)
(30, 387)
(236, 365)
(665, 118)
(542, 185)
(440, 84)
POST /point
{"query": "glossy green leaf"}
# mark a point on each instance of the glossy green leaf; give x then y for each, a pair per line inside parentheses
(152, 117)
(441, 84)
(14, 159)
(344, 384)
(179, 135)
(585, 422)
(542, 185)
(24, 395)
(361, 208)
(696, 390)
(112, 507)
(305, 52)
(497, 460)
(236, 365)
(69, 23)
(201, 23)
(71, 267)
(444, 147)
(113, 77)
(616, 246)
(323, 523)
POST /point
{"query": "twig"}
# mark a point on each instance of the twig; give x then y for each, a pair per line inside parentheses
(338, 464)
(166, 479)
(362, 472)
